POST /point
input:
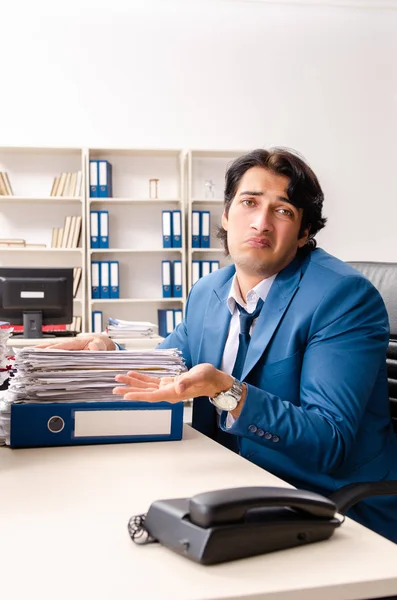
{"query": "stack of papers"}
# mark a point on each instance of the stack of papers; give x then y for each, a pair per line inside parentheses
(5, 352)
(119, 329)
(5, 369)
(44, 375)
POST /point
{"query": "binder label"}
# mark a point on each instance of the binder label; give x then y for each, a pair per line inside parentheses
(108, 423)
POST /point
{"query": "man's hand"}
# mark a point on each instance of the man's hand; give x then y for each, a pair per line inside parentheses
(201, 380)
(84, 342)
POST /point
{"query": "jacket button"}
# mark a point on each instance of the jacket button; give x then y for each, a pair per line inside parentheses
(252, 428)
(275, 438)
(260, 432)
(268, 435)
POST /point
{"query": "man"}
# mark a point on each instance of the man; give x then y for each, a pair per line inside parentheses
(302, 389)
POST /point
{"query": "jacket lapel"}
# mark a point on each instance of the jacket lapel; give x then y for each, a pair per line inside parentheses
(280, 295)
(213, 338)
(215, 327)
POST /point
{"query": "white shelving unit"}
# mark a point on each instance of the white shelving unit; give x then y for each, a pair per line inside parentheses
(206, 165)
(32, 213)
(135, 220)
(135, 230)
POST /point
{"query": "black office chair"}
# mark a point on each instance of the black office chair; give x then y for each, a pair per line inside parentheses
(384, 278)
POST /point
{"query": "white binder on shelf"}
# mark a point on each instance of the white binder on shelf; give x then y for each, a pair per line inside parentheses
(104, 179)
(177, 317)
(94, 228)
(95, 280)
(215, 265)
(196, 271)
(93, 179)
(205, 267)
(166, 321)
(104, 229)
(114, 279)
(177, 279)
(176, 229)
(97, 321)
(105, 273)
(205, 229)
(166, 278)
(167, 229)
(195, 229)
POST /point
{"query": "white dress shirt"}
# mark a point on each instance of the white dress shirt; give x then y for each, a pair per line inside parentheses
(261, 290)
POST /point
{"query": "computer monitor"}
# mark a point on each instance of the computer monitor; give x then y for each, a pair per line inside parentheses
(34, 297)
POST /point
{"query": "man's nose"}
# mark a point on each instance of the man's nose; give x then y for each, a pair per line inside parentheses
(262, 220)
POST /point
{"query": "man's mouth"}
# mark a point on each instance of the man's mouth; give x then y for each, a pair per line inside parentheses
(258, 242)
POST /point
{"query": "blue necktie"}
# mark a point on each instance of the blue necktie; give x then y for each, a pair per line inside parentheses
(246, 320)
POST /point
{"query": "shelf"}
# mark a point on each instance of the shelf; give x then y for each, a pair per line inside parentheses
(217, 153)
(32, 199)
(132, 201)
(143, 152)
(23, 249)
(207, 200)
(130, 250)
(59, 150)
(134, 300)
(207, 250)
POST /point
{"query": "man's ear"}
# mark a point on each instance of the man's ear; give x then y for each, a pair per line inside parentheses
(303, 239)
(224, 221)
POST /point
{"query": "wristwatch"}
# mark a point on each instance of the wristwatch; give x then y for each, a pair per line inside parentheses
(228, 400)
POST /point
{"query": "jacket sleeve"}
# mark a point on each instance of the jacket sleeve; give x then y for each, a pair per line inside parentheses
(344, 352)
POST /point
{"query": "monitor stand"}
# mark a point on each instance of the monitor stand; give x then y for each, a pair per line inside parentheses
(32, 326)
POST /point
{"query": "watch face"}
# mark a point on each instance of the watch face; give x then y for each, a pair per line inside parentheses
(225, 401)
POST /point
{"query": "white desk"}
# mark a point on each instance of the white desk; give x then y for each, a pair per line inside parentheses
(63, 531)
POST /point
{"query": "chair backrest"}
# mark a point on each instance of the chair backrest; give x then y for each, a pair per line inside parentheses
(384, 278)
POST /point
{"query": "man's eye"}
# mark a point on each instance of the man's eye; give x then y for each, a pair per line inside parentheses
(248, 202)
(285, 211)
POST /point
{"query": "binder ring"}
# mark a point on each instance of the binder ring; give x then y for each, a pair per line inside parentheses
(55, 424)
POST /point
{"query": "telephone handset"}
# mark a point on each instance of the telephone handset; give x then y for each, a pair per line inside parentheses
(223, 525)
(225, 506)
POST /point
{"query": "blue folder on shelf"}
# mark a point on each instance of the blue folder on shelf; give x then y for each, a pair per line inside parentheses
(94, 192)
(177, 279)
(166, 278)
(103, 228)
(176, 229)
(94, 228)
(114, 279)
(166, 321)
(196, 227)
(97, 321)
(205, 217)
(82, 423)
(95, 280)
(104, 278)
(167, 228)
(104, 179)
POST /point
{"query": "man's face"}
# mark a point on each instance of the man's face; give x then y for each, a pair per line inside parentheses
(262, 226)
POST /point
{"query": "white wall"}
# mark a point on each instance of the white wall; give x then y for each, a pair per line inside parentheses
(321, 80)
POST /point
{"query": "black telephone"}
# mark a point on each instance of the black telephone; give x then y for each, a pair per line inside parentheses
(224, 525)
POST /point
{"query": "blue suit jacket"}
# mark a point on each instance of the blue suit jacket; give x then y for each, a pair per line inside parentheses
(317, 409)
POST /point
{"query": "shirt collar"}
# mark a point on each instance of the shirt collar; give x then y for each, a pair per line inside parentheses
(261, 290)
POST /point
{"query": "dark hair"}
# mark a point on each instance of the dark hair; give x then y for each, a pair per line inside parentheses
(303, 190)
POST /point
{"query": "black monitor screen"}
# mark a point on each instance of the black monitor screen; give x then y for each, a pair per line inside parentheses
(35, 297)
